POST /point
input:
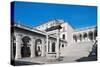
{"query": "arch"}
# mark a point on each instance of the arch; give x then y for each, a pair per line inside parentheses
(63, 36)
(53, 47)
(38, 51)
(80, 37)
(75, 38)
(25, 49)
(26, 40)
(90, 35)
(84, 35)
(38, 41)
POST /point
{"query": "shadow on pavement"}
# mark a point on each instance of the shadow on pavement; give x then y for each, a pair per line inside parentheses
(91, 58)
(19, 63)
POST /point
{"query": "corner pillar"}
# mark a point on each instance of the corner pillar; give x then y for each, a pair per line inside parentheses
(18, 46)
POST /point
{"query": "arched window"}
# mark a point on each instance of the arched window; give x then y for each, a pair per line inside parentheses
(62, 45)
(63, 36)
(90, 35)
(53, 47)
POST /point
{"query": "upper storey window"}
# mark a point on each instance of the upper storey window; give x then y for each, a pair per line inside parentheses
(63, 36)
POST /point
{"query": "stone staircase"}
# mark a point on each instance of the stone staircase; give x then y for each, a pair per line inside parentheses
(77, 50)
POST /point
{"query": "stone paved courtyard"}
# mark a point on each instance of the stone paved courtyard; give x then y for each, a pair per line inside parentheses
(44, 60)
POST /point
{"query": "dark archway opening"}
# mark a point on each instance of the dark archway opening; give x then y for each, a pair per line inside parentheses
(63, 36)
(25, 49)
(85, 35)
(80, 37)
(90, 35)
(75, 38)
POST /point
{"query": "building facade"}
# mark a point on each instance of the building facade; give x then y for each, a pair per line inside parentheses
(51, 39)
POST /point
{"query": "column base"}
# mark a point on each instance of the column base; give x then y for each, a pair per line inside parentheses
(18, 57)
(32, 56)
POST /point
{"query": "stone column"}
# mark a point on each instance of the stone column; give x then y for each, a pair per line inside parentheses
(57, 45)
(47, 44)
(50, 46)
(86, 39)
(78, 40)
(18, 46)
(43, 47)
(74, 41)
(81, 37)
(32, 42)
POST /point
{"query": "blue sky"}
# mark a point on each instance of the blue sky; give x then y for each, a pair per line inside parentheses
(32, 14)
